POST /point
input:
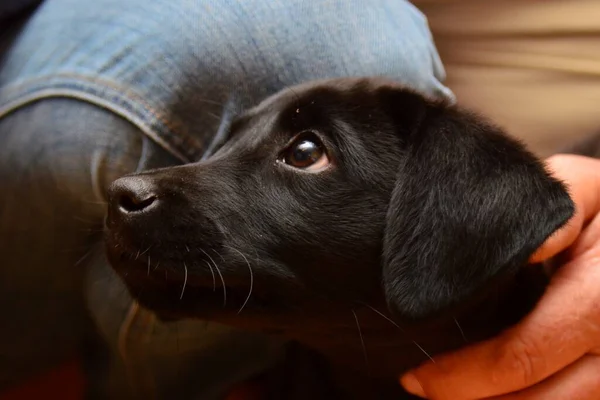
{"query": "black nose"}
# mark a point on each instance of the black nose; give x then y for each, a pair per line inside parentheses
(132, 194)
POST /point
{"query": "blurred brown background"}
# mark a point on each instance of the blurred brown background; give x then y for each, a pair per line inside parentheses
(533, 66)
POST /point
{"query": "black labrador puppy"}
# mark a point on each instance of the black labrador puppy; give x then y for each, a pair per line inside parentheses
(355, 216)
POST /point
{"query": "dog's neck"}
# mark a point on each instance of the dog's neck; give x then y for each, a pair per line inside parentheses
(373, 356)
(372, 343)
(368, 351)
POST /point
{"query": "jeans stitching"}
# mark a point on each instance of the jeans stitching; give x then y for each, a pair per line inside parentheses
(108, 95)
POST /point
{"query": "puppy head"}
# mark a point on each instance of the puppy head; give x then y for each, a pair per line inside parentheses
(329, 195)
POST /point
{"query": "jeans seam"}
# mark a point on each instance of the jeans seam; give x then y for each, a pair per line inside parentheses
(110, 96)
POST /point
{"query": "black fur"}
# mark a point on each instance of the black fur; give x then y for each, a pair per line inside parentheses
(428, 214)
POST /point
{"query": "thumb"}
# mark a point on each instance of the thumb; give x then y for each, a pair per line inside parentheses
(581, 175)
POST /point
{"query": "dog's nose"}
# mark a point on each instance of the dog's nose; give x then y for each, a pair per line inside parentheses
(132, 195)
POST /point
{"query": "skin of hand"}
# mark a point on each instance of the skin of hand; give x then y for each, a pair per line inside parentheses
(554, 352)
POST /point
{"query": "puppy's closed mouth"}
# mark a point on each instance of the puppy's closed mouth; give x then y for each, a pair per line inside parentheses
(178, 289)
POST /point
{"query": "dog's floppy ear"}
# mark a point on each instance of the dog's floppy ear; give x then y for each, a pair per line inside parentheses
(470, 205)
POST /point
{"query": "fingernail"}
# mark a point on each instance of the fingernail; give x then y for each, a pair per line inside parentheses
(412, 385)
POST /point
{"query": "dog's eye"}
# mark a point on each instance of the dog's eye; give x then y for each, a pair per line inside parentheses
(306, 152)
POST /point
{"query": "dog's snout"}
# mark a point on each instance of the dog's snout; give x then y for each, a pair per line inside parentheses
(130, 195)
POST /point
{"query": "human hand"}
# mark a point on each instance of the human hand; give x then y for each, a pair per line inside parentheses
(554, 352)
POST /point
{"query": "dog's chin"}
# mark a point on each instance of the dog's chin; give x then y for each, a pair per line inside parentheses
(174, 294)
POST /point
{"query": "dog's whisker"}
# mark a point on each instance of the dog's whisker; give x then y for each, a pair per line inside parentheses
(398, 326)
(137, 255)
(148, 272)
(145, 251)
(423, 350)
(220, 276)
(217, 253)
(362, 342)
(382, 315)
(212, 272)
(156, 266)
(209, 257)
(224, 287)
(251, 277)
(185, 271)
(187, 248)
(82, 258)
(461, 331)
(208, 101)
(215, 116)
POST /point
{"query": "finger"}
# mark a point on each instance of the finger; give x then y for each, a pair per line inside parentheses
(582, 177)
(588, 243)
(579, 380)
(563, 327)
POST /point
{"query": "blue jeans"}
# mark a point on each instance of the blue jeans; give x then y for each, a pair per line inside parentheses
(92, 90)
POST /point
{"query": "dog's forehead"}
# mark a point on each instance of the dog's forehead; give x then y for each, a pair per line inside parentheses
(312, 105)
(312, 99)
(278, 112)
(324, 90)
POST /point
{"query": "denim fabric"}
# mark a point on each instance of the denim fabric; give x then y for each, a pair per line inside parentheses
(91, 90)
(173, 67)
